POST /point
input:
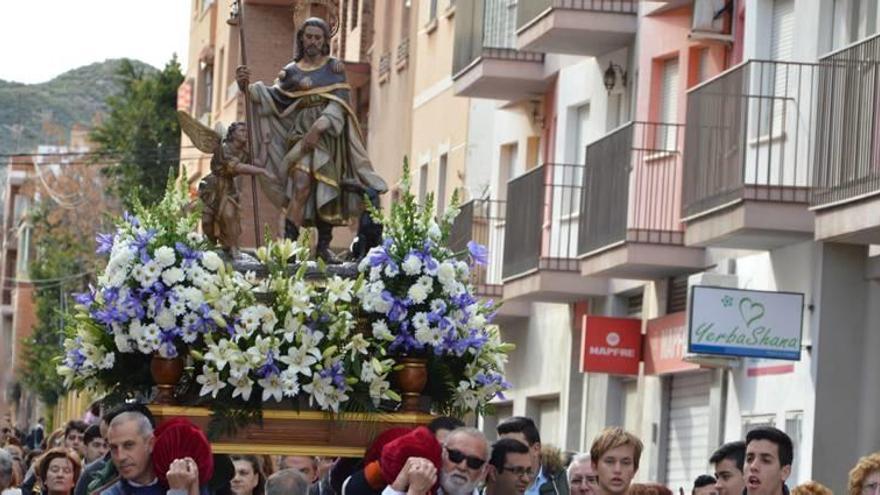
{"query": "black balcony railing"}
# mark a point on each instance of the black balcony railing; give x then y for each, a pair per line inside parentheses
(529, 10)
(542, 220)
(632, 187)
(848, 122)
(482, 220)
(748, 136)
(485, 29)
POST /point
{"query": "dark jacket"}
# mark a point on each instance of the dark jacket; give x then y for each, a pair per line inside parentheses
(554, 471)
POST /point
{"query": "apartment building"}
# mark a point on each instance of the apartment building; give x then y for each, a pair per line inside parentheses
(652, 147)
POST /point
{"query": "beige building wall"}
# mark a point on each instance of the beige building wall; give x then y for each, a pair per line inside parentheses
(391, 88)
(440, 119)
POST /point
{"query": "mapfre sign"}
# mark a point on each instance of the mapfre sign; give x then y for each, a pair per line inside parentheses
(611, 345)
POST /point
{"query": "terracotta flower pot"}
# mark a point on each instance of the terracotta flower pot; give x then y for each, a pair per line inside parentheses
(411, 380)
(166, 373)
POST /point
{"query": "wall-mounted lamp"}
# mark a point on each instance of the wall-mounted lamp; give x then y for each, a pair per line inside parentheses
(610, 76)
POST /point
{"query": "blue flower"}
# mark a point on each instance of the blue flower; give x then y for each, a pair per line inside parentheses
(105, 243)
(131, 219)
(188, 255)
(269, 368)
(141, 241)
(479, 253)
(85, 298)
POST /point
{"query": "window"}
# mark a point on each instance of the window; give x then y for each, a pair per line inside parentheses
(582, 120)
(509, 168)
(500, 24)
(634, 304)
(423, 183)
(441, 184)
(668, 105)
(793, 428)
(220, 77)
(355, 13)
(756, 421)
(206, 90)
(776, 81)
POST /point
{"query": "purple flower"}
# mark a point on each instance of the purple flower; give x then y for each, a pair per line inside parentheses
(105, 243)
(269, 368)
(141, 241)
(335, 373)
(85, 298)
(189, 255)
(131, 219)
(479, 253)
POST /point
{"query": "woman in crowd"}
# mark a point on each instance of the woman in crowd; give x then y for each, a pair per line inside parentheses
(249, 478)
(56, 439)
(864, 479)
(58, 470)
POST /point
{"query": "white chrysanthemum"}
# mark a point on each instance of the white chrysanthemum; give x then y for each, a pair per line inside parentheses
(211, 261)
(194, 297)
(165, 256)
(418, 293)
(194, 237)
(166, 319)
(423, 335)
(122, 343)
(420, 320)
(412, 265)
(289, 383)
(446, 273)
(391, 270)
(172, 276)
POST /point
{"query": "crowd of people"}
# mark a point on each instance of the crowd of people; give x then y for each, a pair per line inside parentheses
(123, 452)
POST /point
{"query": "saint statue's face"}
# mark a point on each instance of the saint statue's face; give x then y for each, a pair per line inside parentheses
(239, 135)
(313, 41)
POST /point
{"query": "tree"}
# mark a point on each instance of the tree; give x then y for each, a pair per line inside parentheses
(141, 132)
(74, 207)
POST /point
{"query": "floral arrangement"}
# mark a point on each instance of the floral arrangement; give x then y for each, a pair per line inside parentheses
(161, 292)
(420, 300)
(303, 339)
(330, 341)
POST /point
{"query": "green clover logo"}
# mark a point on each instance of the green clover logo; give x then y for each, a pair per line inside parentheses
(727, 301)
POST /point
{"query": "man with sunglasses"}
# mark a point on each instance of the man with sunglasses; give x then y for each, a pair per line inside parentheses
(511, 468)
(463, 466)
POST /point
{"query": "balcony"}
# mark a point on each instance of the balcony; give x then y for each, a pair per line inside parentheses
(482, 220)
(630, 226)
(748, 155)
(846, 180)
(576, 27)
(486, 63)
(542, 264)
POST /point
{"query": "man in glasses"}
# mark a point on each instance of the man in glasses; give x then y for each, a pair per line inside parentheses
(545, 479)
(463, 466)
(581, 478)
(511, 470)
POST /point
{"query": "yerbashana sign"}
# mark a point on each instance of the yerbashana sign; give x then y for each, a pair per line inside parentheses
(748, 323)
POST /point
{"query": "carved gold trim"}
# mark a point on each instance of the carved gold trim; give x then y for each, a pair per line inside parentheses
(203, 412)
(308, 450)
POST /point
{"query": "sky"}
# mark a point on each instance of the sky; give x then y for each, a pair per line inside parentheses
(41, 39)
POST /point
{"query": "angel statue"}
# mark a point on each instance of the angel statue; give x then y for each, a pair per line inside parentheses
(221, 212)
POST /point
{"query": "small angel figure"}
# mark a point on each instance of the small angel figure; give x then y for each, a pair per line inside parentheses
(221, 212)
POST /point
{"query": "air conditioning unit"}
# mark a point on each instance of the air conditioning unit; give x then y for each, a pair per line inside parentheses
(712, 20)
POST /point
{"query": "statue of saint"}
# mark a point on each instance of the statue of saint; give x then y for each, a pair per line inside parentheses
(221, 210)
(309, 137)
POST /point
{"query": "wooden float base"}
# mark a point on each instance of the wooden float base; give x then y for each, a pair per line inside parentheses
(313, 433)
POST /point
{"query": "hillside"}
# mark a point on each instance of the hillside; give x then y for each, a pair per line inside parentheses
(73, 97)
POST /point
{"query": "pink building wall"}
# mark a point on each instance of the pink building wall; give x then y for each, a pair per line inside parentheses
(656, 181)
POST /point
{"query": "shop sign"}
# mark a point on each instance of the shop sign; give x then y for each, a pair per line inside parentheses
(611, 345)
(746, 323)
(666, 345)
